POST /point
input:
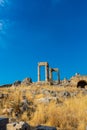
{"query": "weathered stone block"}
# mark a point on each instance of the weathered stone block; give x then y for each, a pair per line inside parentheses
(3, 123)
(18, 126)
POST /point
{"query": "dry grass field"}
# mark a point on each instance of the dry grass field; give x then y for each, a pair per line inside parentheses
(45, 105)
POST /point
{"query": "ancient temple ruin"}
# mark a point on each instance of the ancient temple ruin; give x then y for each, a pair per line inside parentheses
(48, 73)
(51, 75)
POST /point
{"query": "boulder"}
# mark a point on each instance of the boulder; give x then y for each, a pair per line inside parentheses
(64, 94)
(3, 123)
(48, 100)
(26, 81)
(43, 100)
(53, 93)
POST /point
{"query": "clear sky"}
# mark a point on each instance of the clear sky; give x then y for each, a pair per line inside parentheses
(42, 30)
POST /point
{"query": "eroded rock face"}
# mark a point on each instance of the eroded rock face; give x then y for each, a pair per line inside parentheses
(26, 81)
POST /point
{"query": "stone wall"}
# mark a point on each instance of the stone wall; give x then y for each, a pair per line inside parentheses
(76, 79)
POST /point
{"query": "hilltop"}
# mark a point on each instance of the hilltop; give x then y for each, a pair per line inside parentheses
(60, 103)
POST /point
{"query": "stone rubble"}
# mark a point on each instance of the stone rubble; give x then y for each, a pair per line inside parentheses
(6, 125)
(18, 126)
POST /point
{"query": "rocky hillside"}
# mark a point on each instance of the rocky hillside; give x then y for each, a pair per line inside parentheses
(59, 106)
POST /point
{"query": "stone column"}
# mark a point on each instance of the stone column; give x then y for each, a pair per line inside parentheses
(58, 77)
(38, 73)
(50, 74)
(47, 73)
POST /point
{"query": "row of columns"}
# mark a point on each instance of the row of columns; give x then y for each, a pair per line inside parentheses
(48, 72)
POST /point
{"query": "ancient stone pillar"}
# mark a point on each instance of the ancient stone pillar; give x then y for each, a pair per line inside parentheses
(47, 72)
(38, 73)
(50, 74)
(58, 76)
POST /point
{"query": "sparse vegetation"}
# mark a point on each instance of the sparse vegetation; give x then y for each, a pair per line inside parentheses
(68, 113)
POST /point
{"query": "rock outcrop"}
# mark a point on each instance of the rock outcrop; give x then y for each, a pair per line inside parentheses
(26, 81)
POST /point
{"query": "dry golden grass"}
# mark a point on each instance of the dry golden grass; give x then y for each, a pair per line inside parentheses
(73, 114)
(70, 115)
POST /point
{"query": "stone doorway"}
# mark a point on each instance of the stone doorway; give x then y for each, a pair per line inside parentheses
(46, 65)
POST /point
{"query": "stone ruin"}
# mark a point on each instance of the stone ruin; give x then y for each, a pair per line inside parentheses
(48, 73)
(5, 125)
(48, 77)
(51, 75)
(79, 81)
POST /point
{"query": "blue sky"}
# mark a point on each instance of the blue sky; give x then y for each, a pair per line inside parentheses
(42, 30)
